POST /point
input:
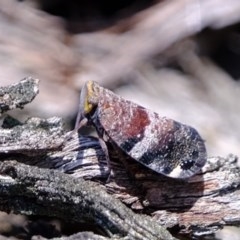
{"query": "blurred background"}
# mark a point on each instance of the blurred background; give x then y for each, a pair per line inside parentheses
(178, 58)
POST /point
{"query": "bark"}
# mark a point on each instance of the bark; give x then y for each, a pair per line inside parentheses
(18, 95)
(36, 191)
(36, 183)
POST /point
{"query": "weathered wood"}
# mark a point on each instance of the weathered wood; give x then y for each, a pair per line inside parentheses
(203, 203)
(18, 95)
(199, 205)
(39, 134)
(35, 191)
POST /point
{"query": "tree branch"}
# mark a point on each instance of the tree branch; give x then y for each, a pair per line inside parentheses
(35, 191)
(199, 205)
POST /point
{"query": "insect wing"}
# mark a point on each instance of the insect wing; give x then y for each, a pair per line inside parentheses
(162, 144)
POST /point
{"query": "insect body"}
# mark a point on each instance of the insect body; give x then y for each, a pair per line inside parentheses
(162, 144)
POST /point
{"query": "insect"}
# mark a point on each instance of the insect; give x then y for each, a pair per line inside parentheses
(161, 144)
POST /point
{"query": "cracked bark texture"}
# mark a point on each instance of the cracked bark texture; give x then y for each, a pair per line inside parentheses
(35, 183)
(18, 95)
(36, 191)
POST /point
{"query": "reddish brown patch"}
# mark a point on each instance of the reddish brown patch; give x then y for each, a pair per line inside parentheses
(137, 123)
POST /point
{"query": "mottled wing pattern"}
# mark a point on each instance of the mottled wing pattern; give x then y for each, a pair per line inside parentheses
(164, 145)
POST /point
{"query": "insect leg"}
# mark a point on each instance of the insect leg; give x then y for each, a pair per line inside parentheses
(105, 151)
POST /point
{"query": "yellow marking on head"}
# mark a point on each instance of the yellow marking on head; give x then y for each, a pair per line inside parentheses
(87, 105)
(87, 95)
